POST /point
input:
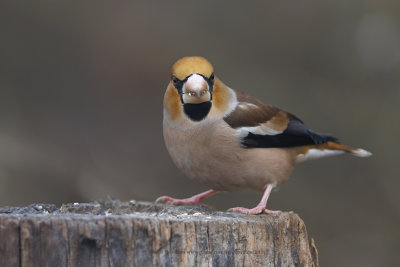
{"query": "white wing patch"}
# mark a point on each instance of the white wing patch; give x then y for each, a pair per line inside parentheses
(262, 129)
(245, 105)
(314, 153)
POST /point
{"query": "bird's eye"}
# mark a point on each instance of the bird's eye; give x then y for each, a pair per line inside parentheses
(175, 81)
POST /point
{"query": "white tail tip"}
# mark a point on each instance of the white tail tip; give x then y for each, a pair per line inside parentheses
(361, 153)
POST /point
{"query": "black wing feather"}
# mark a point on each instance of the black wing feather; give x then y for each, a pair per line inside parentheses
(296, 134)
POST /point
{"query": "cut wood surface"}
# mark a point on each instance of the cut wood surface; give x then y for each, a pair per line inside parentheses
(114, 233)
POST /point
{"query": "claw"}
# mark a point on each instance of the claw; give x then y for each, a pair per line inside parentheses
(254, 211)
(261, 207)
(271, 211)
(194, 200)
(164, 199)
(176, 201)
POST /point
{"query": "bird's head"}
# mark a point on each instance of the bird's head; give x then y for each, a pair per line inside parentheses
(193, 80)
(194, 92)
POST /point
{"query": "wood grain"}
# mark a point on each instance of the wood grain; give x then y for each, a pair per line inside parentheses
(114, 233)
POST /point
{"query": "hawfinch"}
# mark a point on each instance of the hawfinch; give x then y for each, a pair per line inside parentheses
(227, 140)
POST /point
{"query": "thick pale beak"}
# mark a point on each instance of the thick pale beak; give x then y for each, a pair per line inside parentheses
(195, 90)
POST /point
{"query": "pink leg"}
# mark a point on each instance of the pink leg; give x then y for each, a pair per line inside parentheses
(261, 207)
(191, 200)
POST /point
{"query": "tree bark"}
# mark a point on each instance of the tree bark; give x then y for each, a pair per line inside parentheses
(113, 233)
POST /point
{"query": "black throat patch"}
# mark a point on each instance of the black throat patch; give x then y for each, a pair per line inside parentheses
(197, 112)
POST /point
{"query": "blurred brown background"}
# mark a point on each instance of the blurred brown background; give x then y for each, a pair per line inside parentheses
(81, 88)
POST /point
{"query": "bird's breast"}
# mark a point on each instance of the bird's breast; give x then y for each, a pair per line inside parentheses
(202, 153)
(210, 154)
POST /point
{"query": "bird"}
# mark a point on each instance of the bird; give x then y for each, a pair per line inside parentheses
(227, 140)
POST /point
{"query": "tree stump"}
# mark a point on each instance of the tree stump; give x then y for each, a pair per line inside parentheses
(114, 233)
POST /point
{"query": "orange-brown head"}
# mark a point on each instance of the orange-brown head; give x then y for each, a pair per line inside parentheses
(192, 79)
(186, 66)
(195, 93)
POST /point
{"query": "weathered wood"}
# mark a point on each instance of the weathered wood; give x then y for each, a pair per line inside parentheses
(113, 233)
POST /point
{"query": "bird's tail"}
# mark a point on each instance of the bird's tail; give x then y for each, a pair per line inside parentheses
(328, 149)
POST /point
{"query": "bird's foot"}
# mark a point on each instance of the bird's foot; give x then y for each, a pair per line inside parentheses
(185, 201)
(253, 211)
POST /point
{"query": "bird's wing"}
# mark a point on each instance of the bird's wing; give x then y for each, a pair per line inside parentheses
(264, 126)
